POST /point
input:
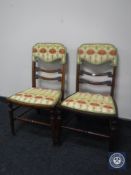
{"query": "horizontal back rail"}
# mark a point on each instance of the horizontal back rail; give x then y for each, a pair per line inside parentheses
(82, 72)
(82, 81)
(48, 78)
(38, 69)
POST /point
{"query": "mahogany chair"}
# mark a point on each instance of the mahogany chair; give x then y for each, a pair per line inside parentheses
(92, 60)
(45, 58)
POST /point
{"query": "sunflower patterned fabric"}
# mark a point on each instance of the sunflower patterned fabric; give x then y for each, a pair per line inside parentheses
(97, 54)
(49, 52)
(95, 103)
(37, 96)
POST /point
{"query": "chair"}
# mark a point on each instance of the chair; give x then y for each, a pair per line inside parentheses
(92, 60)
(45, 58)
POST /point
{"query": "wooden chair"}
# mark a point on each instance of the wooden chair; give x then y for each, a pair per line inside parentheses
(94, 104)
(45, 58)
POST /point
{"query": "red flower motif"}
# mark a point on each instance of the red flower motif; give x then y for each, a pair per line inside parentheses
(108, 107)
(39, 97)
(62, 51)
(34, 50)
(102, 52)
(81, 102)
(113, 52)
(52, 51)
(90, 52)
(28, 95)
(80, 51)
(51, 99)
(69, 100)
(94, 104)
(43, 50)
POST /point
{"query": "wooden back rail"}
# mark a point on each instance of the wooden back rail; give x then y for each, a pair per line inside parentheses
(60, 78)
(48, 71)
(80, 80)
(109, 74)
(45, 78)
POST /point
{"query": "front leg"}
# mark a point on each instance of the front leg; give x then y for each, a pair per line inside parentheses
(113, 135)
(11, 117)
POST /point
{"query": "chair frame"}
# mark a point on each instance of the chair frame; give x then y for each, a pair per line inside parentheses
(14, 105)
(113, 119)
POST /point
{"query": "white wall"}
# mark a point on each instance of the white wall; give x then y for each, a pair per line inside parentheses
(71, 22)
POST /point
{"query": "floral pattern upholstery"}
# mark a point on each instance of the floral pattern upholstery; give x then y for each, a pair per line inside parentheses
(49, 52)
(97, 54)
(37, 96)
(95, 103)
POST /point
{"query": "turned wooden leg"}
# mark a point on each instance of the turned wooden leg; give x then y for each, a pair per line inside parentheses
(58, 126)
(78, 117)
(11, 119)
(38, 111)
(53, 126)
(113, 135)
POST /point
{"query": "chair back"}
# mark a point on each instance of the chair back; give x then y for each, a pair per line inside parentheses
(49, 53)
(97, 55)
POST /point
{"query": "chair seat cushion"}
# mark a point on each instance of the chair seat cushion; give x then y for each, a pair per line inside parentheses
(37, 96)
(95, 103)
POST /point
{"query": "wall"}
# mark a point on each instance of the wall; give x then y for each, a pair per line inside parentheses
(71, 22)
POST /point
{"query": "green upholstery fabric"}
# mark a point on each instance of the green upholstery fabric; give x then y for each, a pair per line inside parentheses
(95, 103)
(97, 54)
(49, 52)
(37, 96)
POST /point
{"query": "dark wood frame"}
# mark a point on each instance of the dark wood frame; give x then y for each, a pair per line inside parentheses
(113, 119)
(53, 112)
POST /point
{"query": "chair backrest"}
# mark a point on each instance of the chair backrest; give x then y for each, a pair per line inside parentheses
(49, 53)
(96, 54)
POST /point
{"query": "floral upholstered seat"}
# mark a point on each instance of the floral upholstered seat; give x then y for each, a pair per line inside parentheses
(37, 96)
(90, 103)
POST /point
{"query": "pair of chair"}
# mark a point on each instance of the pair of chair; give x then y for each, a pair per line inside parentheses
(84, 102)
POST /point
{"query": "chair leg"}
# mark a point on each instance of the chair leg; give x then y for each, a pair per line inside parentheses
(11, 119)
(113, 135)
(58, 126)
(78, 117)
(53, 126)
(38, 111)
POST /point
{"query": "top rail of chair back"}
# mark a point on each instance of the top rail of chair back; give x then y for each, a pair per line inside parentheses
(49, 52)
(97, 54)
